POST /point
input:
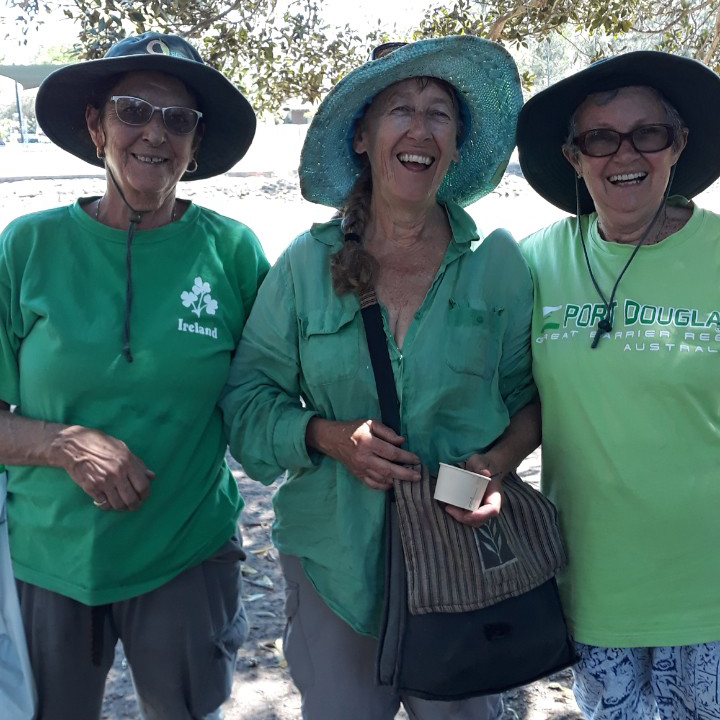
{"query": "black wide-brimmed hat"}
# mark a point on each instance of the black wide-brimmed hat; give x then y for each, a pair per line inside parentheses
(228, 117)
(691, 87)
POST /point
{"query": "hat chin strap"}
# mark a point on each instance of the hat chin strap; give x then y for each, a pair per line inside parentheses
(135, 217)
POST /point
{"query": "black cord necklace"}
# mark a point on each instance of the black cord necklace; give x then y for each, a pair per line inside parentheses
(605, 323)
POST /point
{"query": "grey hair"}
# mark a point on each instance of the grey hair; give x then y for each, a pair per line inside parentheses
(603, 98)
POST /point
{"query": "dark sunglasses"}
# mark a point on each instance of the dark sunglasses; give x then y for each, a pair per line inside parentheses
(136, 111)
(645, 139)
(385, 49)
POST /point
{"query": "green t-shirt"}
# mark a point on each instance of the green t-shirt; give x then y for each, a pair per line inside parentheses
(631, 430)
(463, 371)
(62, 308)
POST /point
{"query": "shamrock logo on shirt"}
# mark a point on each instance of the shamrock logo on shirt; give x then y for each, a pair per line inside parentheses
(199, 298)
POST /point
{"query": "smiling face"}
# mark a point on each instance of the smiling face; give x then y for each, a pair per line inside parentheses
(147, 160)
(628, 186)
(409, 134)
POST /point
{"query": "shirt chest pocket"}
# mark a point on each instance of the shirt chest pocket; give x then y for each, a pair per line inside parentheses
(472, 338)
(329, 346)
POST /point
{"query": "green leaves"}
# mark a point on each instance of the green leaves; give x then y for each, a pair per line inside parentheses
(274, 55)
(687, 27)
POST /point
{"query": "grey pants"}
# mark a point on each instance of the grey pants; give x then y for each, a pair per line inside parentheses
(180, 641)
(333, 667)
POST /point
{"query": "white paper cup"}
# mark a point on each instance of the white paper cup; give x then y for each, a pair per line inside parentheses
(459, 487)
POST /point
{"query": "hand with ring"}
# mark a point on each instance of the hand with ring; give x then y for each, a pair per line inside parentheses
(104, 467)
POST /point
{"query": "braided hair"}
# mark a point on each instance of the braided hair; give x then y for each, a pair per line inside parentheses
(353, 268)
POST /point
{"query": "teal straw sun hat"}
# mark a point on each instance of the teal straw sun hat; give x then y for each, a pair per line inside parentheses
(488, 89)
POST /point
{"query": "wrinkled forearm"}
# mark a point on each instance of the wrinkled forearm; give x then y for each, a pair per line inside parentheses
(30, 442)
(323, 436)
(519, 439)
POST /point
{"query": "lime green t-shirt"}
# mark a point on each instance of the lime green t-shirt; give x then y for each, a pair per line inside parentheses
(464, 369)
(631, 429)
(62, 308)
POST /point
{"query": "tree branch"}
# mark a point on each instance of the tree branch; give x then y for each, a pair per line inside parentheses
(707, 58)
(209, 22)
(675, 18)
(499, 23)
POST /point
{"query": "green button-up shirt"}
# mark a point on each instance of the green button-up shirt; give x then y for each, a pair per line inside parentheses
(463, 371)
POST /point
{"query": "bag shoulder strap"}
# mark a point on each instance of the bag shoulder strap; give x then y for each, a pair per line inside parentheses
(380, 359)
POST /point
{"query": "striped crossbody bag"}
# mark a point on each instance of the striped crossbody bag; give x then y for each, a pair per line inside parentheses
(467, 611)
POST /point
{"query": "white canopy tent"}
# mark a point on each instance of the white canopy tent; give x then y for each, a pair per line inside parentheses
(29, 76)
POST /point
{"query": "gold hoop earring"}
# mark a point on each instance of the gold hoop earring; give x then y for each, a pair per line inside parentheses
(192, 167)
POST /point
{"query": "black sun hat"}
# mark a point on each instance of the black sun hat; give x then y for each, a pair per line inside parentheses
(228, 117)
(691, 87)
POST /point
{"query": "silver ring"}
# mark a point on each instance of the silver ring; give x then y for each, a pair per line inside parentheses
(100, 503)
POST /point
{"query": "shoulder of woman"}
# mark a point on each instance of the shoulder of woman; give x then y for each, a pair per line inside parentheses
(232, 239)
(314, 244)
(549, 235)
(502, 238)
(501, 246)
(327, 233)
(308, 252)
(36, 219)
(222, 224)
(25, 231)
(498, 259)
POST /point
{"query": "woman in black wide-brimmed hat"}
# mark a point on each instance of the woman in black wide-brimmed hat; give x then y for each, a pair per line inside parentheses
(118, 318)
(626, 340)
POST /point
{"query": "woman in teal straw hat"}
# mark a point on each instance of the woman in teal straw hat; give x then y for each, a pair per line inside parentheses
(398, 147)
(625, 337)
(118, 318)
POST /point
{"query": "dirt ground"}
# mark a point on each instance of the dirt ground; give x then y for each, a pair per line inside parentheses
(263, 689)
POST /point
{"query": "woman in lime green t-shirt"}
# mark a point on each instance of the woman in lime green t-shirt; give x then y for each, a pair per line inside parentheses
(625, 333)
